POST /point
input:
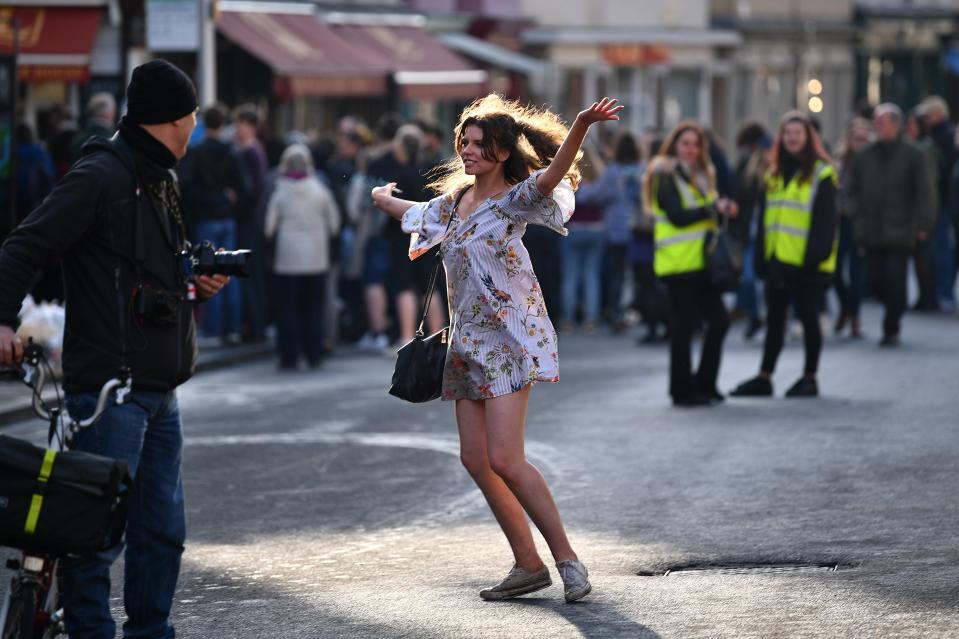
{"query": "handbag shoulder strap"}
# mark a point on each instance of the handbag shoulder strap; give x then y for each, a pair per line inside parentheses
(436, 266)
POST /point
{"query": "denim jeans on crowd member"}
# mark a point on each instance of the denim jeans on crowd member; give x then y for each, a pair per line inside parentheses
(145, 432)
(582, 264)
(300, 302)
(747, 295)
(222, 315)
(943, 256)
(849, 278)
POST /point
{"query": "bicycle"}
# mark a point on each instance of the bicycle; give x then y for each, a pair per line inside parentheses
(31, 608)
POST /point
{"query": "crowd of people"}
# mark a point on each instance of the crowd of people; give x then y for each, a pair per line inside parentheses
(330, 268)
(327, 219)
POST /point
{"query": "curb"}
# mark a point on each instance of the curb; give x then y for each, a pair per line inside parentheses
(21, 411)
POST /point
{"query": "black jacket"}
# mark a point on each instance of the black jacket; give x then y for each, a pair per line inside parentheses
(88, 222)
(206, 173)
(819, 244)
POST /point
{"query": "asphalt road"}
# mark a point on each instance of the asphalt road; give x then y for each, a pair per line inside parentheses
(321, 507)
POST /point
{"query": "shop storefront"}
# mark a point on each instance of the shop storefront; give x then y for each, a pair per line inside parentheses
(65, 53)
(309, 69)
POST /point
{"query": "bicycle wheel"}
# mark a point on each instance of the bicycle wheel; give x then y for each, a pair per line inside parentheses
(22, 613)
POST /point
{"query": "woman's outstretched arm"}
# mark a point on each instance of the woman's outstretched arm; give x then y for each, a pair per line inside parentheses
(384, 200)
(602, 111)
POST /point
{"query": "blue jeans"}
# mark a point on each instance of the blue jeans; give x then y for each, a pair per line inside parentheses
(223, 313)
(582, 264)
(747, 295)
(145, 432)
(943, 257)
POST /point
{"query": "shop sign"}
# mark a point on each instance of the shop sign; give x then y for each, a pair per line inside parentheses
(173, 25)
(635, 55)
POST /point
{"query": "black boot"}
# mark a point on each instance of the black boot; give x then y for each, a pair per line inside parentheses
(805, 387)
(693, 400)
(756, 387)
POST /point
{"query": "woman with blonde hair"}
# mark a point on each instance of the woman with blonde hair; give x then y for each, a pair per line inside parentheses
(680, 189)
(515, 166)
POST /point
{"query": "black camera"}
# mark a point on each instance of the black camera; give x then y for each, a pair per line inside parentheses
(159, 306)
(206, 260)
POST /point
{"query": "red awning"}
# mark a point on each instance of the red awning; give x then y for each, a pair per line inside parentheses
(306, 56)
(55, 42)
(423, 67)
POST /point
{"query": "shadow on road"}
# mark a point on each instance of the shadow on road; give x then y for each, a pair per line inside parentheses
(593, 619)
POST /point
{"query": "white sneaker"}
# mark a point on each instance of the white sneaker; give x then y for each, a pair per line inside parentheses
(575, 579)
(380, 342)
(365, 342)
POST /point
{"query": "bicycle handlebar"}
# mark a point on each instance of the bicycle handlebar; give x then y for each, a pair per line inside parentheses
(33, 375)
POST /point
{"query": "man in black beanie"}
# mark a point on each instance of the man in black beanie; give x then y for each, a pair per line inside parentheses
(116, 223)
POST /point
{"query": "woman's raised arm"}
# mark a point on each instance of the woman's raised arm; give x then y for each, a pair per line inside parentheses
(606, 109)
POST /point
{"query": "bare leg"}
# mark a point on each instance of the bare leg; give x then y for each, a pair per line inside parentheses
(505, 427)
(375, 296)
(470, 418)
(436, 316)
(406, 312)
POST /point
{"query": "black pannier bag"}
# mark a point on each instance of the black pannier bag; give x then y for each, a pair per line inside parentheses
(63, 503)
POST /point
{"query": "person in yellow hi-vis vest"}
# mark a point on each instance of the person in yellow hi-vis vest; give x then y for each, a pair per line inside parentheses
(680, 190)
(798, 242)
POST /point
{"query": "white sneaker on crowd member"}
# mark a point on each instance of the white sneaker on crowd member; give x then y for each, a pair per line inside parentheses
(207, 341)
(373, 342)
(825, 325)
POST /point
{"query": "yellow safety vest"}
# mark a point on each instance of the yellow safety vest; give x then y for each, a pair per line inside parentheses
(788, 217)
(680, 249)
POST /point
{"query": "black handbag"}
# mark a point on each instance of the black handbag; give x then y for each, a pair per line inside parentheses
(418, 374)
(724, 258)
(60, 502)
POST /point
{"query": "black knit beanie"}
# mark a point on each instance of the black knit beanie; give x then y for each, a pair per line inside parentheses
(159, 93)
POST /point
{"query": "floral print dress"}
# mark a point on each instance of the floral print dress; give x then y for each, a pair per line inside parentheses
(501, 338)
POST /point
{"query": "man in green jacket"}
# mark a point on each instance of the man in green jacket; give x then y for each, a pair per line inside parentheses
(891, 204)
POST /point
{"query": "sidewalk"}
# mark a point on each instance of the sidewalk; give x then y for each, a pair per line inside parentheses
(15, 398)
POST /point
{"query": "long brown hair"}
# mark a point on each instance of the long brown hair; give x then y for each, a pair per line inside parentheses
(666, 159)
(532, 136)
(812, 152)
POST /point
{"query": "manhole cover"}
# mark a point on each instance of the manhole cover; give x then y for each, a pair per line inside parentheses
(746, 569)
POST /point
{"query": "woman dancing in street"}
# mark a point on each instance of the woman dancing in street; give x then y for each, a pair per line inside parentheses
(516, 166)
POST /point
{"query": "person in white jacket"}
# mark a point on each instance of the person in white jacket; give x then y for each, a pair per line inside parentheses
(303, 216)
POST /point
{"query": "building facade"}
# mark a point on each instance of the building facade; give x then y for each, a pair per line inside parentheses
(663, 58)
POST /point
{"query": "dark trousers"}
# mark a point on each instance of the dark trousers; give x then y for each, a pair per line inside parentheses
(887, 276)
(927, 278)
(300, 302)
(849, 275)
(616, 262)
(808, 302)
(650, 298)
(690, 302)
(543, 246)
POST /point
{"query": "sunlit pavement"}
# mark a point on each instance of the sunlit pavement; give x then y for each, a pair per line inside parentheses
(319, 506)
